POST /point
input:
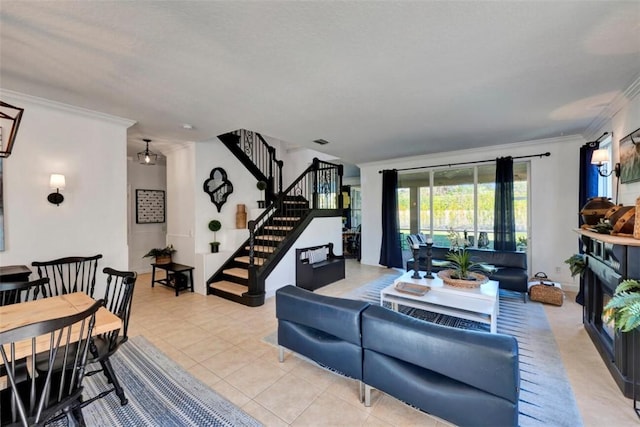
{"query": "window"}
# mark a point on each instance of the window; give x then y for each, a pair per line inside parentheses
(605, 182)
(435, 201)
(356, 207)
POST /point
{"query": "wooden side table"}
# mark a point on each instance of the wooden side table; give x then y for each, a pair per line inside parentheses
(15, 273)
(171, 278)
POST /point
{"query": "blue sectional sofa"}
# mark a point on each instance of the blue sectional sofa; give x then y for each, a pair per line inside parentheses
(511, 267)
(469, 378)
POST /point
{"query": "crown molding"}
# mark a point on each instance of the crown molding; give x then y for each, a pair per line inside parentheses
(619, 102)
(67, 108)
(433, 157)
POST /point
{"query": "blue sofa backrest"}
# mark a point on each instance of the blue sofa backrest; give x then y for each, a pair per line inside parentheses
(335, 316)
(488, 256)
(486, 361)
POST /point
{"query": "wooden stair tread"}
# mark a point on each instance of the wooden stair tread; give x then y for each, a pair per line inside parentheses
(286, 218)
(278, 227)
(259, 248)
(242, 273)
(229, 287)
(270, 237)
(245, 260)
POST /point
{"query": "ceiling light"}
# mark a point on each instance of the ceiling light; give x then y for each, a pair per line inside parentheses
(187, 126)
(321, 141)
(147, 157)
(10, 117)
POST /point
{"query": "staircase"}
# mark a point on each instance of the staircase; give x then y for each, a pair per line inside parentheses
(314, 194)
(258, 157)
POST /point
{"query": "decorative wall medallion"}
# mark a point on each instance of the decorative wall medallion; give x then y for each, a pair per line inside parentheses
(218, 187)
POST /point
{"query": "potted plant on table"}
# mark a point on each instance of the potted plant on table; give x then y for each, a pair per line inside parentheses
(261, 185)
(215, 225)
(624, 307)
(461, 273)
(162, 255)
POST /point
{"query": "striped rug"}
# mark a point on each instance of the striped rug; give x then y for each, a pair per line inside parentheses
(160, 393)
(546, 398)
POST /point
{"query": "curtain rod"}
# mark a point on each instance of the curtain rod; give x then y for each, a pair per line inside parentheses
(541, 155)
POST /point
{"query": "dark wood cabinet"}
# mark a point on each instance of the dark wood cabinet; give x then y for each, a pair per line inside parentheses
(610, 260)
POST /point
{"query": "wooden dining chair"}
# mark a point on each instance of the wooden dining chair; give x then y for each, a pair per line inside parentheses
(118, 298)
(16, 292)
(70, 274)
(38, 399)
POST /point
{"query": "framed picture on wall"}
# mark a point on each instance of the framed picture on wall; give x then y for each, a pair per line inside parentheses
(150, 206)
(630, 157)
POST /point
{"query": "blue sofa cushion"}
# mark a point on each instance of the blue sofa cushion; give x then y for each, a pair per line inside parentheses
(485, 361)
(335, 316)
(437, 394)
(325, 349)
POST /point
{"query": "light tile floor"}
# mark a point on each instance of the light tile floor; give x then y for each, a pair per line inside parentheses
(221, 343)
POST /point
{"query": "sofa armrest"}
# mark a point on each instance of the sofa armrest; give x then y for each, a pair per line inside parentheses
(486, 361)
(335, 316)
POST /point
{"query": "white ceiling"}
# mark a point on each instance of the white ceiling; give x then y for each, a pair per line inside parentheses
(378, 80)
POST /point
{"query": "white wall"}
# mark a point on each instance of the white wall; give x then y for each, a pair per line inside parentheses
(89, 148)
(181, 185)
(622, 124)
(143, 237)
(554, 199)
(296, 160)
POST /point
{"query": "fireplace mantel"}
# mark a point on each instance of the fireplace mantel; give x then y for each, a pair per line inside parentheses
(607, 238)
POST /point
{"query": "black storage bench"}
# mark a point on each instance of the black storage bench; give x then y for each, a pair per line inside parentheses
(318, 266)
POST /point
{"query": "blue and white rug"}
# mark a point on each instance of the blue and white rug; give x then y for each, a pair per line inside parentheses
(546, 397)
(160, 393)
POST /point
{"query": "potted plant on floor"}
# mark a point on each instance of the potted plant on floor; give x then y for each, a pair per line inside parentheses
(162, 255)
(624, 307)
(215, 225)
(261, 185)
(577, 264)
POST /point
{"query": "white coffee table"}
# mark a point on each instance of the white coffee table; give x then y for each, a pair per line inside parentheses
(478, 304)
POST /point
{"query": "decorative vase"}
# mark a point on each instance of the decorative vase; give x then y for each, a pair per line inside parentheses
(622, 219)
(215, 247)
(595, 209)
(261, 204)
(483, 240)
(241, 216)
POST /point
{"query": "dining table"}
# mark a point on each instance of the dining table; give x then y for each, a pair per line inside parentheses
(25, 313)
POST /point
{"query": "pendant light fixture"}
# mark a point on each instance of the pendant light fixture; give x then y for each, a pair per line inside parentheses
(147, 157)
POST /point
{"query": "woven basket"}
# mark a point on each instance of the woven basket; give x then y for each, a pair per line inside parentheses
(445, 275)
(163, 259)
(546, 293)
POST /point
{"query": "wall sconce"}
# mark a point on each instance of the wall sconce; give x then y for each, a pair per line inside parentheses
(56, 182)
(10, 117)
(600, 158)
(147, 157)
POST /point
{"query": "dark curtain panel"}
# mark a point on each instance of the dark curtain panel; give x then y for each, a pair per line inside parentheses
(587, 188)
(390, 251)
(504, 221)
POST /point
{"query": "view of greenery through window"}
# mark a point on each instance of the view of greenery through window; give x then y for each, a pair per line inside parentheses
(463, 199)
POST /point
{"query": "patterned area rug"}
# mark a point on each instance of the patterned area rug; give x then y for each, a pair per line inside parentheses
(546, 398)
(160, 393)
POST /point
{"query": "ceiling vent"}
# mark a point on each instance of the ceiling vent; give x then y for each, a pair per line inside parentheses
(321, 141)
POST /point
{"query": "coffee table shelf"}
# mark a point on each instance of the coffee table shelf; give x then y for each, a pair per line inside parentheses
(478, 304)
